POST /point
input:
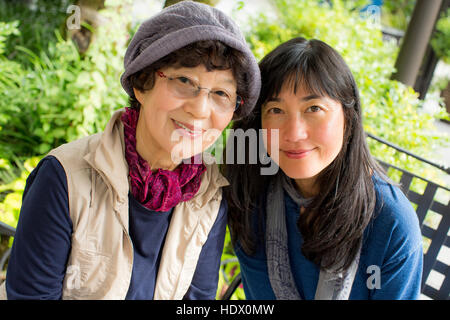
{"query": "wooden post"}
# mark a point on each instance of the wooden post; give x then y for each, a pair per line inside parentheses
(429, 62)
(416, 39)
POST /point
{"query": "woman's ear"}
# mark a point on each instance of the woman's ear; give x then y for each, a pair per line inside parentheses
(139, 95)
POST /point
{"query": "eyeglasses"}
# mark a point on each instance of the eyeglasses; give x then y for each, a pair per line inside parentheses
(185, 88)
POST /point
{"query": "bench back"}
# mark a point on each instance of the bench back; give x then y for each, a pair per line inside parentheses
(432, 206)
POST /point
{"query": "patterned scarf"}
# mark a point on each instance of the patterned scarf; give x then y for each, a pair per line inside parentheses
(160, 190)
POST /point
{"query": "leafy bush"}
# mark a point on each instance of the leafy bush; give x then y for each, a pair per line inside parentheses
(63, 95)
(47, 15)
(441, 38)
(397, 13)
(12, 187)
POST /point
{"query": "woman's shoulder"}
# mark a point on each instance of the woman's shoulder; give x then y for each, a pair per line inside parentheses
(49, 169)
(48, 177)
(75, 150)
(392, 205)
(395, 226)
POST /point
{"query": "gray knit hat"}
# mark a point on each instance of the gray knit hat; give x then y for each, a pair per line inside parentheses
(182, 24)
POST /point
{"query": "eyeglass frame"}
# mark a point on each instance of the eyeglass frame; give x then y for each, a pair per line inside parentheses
(239, 99)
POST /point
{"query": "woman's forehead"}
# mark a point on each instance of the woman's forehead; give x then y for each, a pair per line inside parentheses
(300, 85)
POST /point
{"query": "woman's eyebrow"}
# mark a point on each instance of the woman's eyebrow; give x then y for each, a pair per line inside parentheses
(311, 97)
(307, 98)
(229, 80)
(226, 81)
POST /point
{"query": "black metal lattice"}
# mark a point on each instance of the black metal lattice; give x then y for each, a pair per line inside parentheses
(436, 237)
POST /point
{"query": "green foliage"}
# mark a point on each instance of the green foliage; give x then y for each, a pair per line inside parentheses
(12, 187)
(397, 13)
(62, 96)
(441, 38)
(47, 15)
(229, 268)
(7, 29)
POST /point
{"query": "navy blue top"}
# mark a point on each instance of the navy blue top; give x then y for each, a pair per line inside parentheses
(392, 250)
(42, 243)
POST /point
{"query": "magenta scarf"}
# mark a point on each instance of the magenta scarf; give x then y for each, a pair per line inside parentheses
(163, 189)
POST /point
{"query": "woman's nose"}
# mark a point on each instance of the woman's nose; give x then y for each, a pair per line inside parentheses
(199, 106)
(295, 129)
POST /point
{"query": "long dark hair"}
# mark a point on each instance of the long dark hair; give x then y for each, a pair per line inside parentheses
(332, 225)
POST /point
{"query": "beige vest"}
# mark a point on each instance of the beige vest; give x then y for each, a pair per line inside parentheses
(101, 259)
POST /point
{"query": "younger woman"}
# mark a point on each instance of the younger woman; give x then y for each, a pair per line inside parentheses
(328, 225)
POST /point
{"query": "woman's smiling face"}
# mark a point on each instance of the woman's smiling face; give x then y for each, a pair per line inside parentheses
(311, 130)
(168, 124)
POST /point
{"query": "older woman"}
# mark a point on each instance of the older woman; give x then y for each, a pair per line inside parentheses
(121, 214)
(328, 224)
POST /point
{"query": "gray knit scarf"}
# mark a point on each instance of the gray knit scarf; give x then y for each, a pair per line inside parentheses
(331, 285)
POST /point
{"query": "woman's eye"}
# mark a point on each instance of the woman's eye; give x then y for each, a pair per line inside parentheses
(184, 80)
(274, 110)
(222, 94)
(314, 109)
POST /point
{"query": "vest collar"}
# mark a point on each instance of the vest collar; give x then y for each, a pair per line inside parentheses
(108, 157)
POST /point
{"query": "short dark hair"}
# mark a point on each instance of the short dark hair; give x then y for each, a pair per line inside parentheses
(332, 225)
(214, 55)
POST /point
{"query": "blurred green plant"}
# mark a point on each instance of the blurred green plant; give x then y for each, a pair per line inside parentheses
(62, 95)
(441, 38)
(229, 268)
(397, 13)
(394, 13)
(12, 185)
(39, 20)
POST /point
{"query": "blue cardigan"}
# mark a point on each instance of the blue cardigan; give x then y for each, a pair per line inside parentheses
(392, 250)
(42, 242)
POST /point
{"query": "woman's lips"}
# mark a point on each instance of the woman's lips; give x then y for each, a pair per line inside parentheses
(187, 130)
(297, 154)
